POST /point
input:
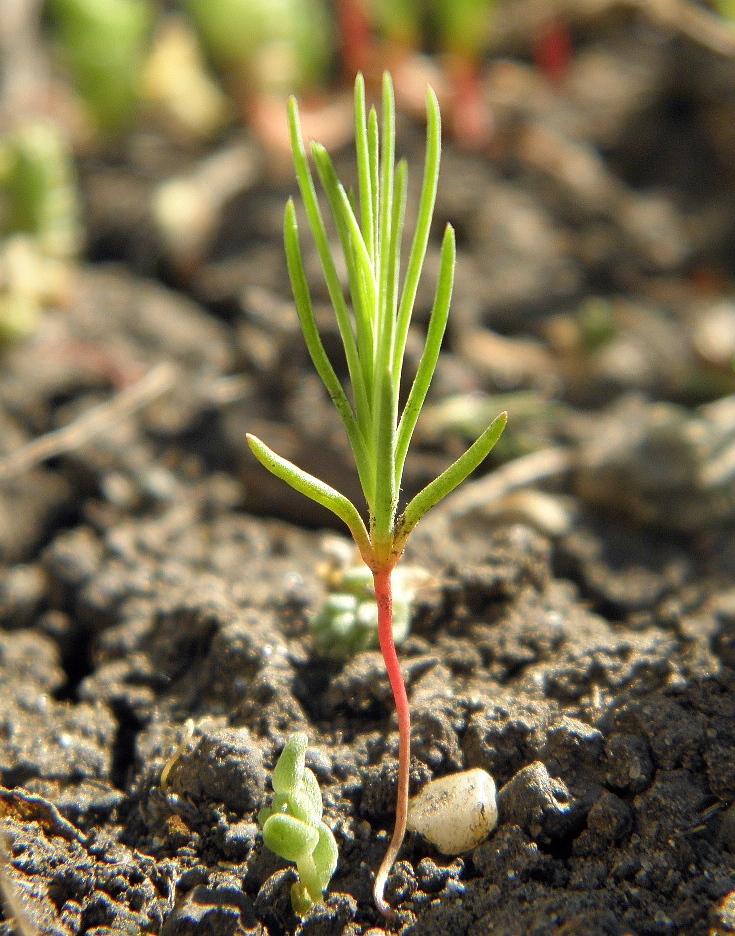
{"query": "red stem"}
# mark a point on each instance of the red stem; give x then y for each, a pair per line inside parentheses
(384, 599)
(471, 117)
(553, 50)
(355, 36)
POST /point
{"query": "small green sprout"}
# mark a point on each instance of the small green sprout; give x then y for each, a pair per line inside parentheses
(348, 621)
(40, 228)
(266, 46)
(293, 827)
(103, 44)
(373, 325)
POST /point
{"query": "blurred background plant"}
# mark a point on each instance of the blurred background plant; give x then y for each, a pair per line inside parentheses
(457, 33)
(40, 224)
(201, 72)
(266, 47)
(347, 622)
(195, 90)
(103, 43)
(116, 53)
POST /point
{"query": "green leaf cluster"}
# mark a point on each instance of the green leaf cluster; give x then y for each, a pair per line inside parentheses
(293, 827)
(373, 317)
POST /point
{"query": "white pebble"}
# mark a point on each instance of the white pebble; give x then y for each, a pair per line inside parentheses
(455, 813)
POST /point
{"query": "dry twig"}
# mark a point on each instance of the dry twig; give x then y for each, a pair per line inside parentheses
(156, 382)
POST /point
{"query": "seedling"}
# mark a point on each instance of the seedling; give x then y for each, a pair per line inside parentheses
(374, 332)
(40, 231)
(348, 621)
(293, 826)
(103, 44)
(266, 48)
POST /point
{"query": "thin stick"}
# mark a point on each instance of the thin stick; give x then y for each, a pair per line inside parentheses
(156, 382)
(384, 599)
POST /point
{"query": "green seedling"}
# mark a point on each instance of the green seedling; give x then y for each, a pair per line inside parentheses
(103, 44)
(348, 621)
(293, 827)
(40, 230)
(374, 332)
(268, 46)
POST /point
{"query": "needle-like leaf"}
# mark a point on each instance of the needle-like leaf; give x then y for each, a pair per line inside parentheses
(448, 480)
(430, 356)
(313, 488)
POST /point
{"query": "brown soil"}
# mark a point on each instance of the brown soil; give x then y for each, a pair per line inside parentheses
(576, 637)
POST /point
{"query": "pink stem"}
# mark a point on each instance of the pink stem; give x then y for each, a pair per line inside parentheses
(384, 599)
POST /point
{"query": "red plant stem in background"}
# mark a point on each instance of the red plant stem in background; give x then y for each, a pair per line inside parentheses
(384, 599)
(553, 50)
(471, 117)
(355, 37)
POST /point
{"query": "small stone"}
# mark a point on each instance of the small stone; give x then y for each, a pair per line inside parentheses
(540, 804)
(455, 813)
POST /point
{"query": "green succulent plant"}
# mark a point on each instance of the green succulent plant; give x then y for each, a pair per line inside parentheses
(348, 621)
(293, 827)
(274, 45)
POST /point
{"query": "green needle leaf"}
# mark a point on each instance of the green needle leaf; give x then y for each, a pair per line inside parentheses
(316, 350)
(430, 356)
(453, 476)
(359, 264)
(363, 165)
(312, 487)
(316, 223)
(423, 225)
